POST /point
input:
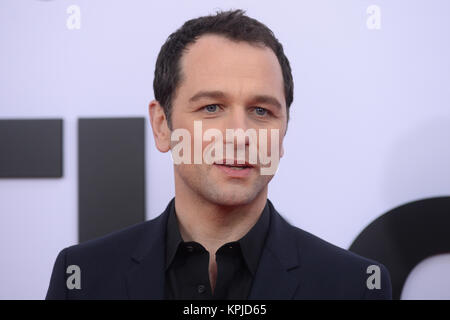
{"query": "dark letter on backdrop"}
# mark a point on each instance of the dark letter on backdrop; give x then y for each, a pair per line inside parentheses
(31, 148)
(111, 171)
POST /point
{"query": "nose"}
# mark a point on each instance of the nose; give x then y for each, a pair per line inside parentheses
(240, 138)
(237, 119)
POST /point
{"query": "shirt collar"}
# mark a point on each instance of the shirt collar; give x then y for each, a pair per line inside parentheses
(251, 243)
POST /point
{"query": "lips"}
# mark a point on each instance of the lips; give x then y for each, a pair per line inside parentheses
(235, 170)
(234, 164)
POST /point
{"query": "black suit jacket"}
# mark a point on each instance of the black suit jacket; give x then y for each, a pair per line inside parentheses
(294, 264)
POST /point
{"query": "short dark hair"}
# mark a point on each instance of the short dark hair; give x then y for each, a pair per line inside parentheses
(233, 25)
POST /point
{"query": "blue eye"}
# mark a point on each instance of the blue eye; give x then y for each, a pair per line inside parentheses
(211, 108)
(260, 111)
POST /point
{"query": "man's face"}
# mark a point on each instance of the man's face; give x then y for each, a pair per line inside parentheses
(228, 85)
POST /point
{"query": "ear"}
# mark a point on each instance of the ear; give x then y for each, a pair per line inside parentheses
(160, 128)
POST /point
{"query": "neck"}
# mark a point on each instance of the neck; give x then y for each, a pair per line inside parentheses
(211, 224)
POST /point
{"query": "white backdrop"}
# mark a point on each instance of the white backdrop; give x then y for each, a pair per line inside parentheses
(369, 128)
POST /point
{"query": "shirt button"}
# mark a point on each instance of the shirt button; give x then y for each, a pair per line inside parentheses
(190, 248)
(201, 288)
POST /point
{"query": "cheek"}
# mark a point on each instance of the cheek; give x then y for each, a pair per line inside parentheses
(274, 138)
(190, 172)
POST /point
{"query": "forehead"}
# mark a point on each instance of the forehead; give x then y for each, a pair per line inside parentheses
(217, 63)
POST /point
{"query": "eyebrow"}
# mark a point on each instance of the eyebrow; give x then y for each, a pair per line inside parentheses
(260, 98)
(207, 94)
(266, 100)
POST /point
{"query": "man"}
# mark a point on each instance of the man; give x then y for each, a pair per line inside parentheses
(219, 237)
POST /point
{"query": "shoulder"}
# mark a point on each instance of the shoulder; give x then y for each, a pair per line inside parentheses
(101, 263)
(112, 251)
(334, 269)
(116, 244)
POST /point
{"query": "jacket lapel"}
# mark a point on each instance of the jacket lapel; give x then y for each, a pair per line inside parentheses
(277, 276)
(145, 279)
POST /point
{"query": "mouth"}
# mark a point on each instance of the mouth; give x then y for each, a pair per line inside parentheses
(235, 170)
(235, 165)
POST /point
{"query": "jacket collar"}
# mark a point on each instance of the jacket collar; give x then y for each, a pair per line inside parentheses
(279, 261)
(273, 279)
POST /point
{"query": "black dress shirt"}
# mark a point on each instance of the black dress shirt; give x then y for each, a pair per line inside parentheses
(187, 263)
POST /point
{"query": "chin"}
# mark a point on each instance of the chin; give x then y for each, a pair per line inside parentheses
(231, 197)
